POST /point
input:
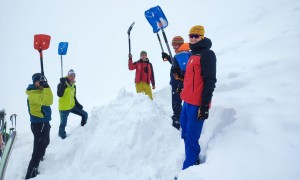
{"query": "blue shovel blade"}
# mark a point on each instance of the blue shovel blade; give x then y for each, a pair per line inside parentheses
(156, 18)
(63, 48)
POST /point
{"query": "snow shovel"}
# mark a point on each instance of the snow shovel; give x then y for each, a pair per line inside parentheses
(62, 50)
(158, 21)
(41, 42)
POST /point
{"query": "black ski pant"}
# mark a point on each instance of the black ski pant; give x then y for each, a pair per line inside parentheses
(176, 100)
(41, 132)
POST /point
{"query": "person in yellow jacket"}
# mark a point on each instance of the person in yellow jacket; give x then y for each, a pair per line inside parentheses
(39, 100)
(66, 91)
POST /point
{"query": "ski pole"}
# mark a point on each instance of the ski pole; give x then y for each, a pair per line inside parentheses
(12, 122)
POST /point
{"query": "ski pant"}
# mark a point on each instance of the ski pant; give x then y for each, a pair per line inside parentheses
(191, 131)
(41, 133)
(176, 100)
(64, 118)
(145, 88)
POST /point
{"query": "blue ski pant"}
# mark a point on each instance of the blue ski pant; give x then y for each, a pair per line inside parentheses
(191, 131)
(41, 136)
(64, 118)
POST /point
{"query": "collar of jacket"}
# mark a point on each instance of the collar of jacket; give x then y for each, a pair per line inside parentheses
(183, 47)
(146, 60)
(201, 45)
(68, 83)
(31, 87)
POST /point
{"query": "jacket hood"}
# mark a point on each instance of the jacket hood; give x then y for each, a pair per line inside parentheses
(201, 45)
(31, 87)
(68, 83)
(183, 47)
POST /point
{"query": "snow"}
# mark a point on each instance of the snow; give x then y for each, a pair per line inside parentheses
(253, 130)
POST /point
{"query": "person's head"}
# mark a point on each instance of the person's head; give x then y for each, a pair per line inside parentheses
(196, 34)
(36, 78)
(71, 75)
(143, 55)
(177, 41)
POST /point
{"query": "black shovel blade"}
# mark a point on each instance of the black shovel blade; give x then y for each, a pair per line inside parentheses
(129, 29)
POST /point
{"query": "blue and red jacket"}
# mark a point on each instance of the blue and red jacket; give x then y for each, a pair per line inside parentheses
(180, 60)
(200, 74)
(144, 71)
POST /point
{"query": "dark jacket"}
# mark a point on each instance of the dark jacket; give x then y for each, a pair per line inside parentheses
(200, 75)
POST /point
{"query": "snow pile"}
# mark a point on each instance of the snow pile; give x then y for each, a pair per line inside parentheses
(130, 138)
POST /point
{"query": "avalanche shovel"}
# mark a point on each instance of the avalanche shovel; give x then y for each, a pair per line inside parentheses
(41, 42)
(62, 50)
(128, 32)
(158, 21)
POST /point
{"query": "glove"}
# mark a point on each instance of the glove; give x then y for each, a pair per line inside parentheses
(130, 56)
(44, 84)
(177, 73)
(165, 56)
(175, 70)
(62, 80)
(203, 112)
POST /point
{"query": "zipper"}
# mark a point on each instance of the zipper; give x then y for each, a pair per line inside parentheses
(141, 72)
(42, 127)
(193, 77)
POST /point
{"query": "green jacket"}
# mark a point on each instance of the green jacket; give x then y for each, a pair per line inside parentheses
(39, 102)
(67, 95)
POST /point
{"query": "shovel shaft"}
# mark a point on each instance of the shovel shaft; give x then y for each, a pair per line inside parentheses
(167, 44)
(61, 65)
(41, 59)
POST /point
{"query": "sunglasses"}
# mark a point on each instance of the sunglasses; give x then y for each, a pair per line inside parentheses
(194, 36)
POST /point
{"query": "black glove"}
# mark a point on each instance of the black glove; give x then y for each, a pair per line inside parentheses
(165, 56)
(44, 84)
(203, 112)
(176, 70)
(62, 80)
(130, 56)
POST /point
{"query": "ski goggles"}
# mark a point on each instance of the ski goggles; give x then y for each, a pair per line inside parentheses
(194, 36)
